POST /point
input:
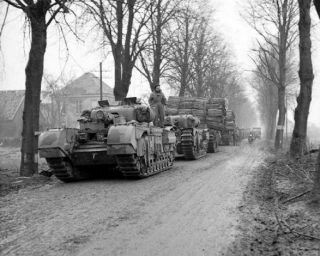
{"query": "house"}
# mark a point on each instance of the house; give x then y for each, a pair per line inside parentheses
(83, 93)
(11, 111)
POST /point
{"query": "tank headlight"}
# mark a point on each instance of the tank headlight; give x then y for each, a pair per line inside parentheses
(100, 115)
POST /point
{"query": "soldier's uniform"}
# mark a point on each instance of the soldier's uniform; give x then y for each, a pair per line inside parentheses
(157, 101)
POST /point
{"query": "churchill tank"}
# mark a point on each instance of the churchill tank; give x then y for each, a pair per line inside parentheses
(119, 137)
(140, 148)
(192, 142)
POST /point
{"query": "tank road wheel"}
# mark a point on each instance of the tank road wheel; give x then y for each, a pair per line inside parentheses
(63, 169)
(143, 166)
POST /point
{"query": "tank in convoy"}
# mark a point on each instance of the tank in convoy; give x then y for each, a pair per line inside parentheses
(120, 137)
(192, 142)
(208, 113)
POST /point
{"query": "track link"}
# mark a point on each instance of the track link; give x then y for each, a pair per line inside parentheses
(136, 167)
(62, 169)
(189, 149)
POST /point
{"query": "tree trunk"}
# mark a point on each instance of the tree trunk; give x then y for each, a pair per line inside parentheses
(185, 64)
(298, 142)
(317, 5)
(123, 57)
(200, 60)
(281, 118)
(117, 90)
(271, 124)
(34, 72)
(158, 48)
(282, 77)
(126, 81)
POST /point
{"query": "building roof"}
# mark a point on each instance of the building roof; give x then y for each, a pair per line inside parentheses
(87, 84)
(10, 102)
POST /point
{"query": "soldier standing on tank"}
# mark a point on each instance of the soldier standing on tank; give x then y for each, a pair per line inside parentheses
(157, 101)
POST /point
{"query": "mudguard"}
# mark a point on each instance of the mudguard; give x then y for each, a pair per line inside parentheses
(56, 143)
(123, 139)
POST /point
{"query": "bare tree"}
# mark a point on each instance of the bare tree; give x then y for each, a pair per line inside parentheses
(55, 88)
(275, 22)
(197, 53)
(201, 64)
(154, 59)
(222, 79)
(316, 189)
(245, 112)
(267, 98)
(40, 15)
(204, 40)
(298, 142)
(181, 47)
(123, 24)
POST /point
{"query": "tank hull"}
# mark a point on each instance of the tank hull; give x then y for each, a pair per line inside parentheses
(107, 136)
(71, 161)
(192, 141)
(141, 150)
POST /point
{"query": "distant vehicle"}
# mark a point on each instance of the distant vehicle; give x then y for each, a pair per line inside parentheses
(251, 138)
(197, 107)
(257, 132)
(192, 142)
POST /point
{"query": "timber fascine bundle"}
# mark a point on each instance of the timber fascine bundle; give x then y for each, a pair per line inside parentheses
(193, 106)
(173, 106)
(211, 112)
(230, 122)
(216, 109)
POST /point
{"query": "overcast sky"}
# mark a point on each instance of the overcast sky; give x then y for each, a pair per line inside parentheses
(82, 58)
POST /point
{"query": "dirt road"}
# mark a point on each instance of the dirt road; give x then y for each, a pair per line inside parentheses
(189, 210)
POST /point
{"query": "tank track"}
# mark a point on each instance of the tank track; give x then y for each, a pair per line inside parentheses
(63, 170)
(212, 145)
(135, 167)
(189, 150)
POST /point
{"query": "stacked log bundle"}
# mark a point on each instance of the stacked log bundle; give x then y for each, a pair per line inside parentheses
(173, 105)
(230, 123)
(211, 112)
(185, 106)
(199, 109)
(216, 111)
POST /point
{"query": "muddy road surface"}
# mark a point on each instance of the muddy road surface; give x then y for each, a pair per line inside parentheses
(188, 210)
